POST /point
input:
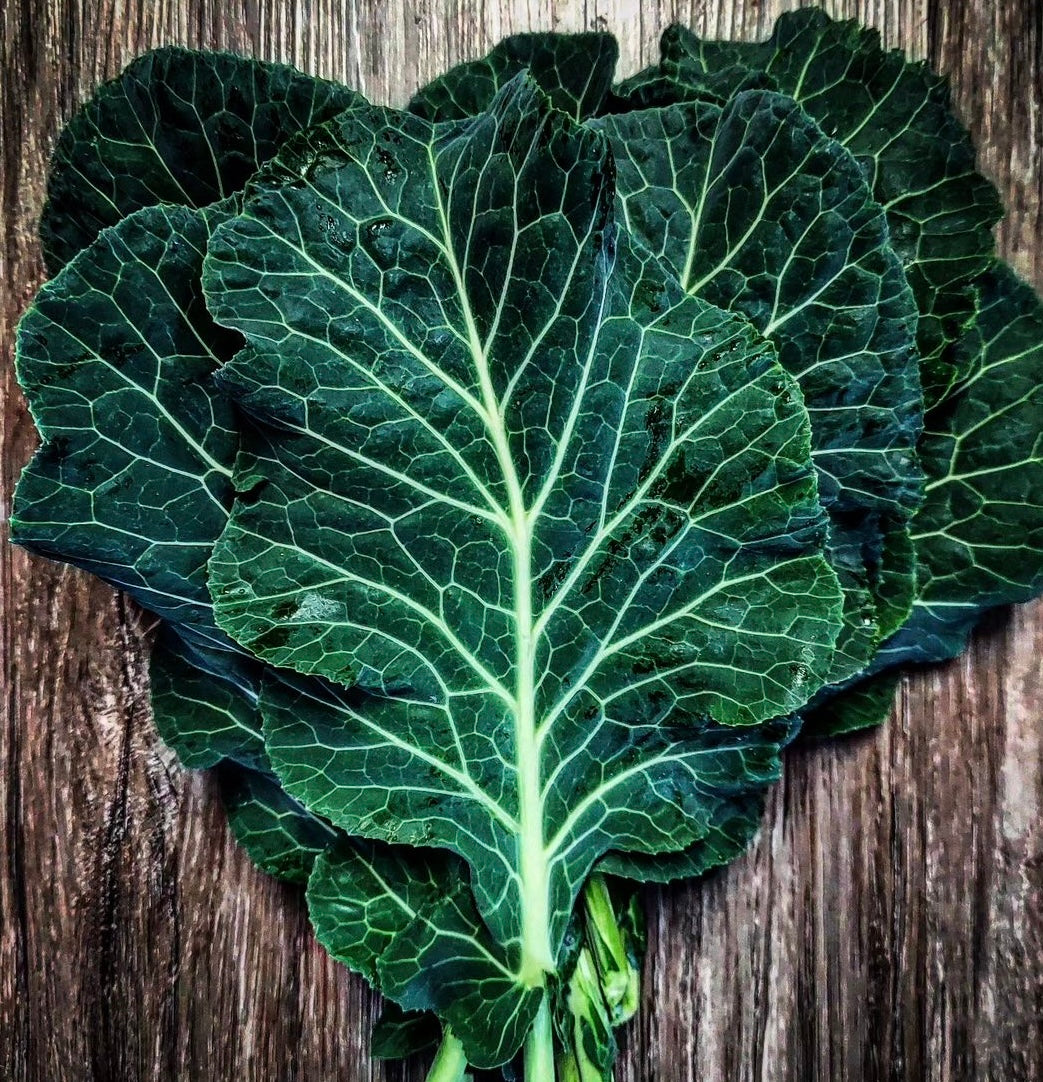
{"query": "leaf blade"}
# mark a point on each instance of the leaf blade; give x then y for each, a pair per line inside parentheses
(177, 126)
(755, 209)
(896, 118)
(350, 556)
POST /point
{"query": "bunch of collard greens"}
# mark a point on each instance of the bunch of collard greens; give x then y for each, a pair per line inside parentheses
(513, 474)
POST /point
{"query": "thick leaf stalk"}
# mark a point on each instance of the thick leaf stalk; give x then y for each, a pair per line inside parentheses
(614, 932)
(450, 1063)
(539, 1047)
(587, 1050)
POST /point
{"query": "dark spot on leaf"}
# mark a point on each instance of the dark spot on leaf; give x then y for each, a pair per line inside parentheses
(249, 497)
(275, 638)
(552, 580)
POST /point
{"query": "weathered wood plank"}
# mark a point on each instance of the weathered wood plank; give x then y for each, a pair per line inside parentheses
(887, 926)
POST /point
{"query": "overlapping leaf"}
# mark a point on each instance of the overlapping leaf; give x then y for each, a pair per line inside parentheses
(732, 823)
(753, 208)
(977, 539)
(408, 924)
(116, 358)
(896, 118)
(281, 837)
(574, 70)
(398, 1033)
(133, 480)
(979, 535)
(176, 126)
(206, 711)
(863, 706)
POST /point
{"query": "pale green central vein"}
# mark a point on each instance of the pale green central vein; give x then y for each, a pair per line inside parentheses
(537, 957)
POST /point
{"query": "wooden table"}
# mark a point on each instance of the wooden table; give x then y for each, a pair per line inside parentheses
(888, 924)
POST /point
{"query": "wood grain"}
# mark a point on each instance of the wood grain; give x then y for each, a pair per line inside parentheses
(888, 926)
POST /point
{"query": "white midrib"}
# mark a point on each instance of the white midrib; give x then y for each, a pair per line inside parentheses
(537, 957)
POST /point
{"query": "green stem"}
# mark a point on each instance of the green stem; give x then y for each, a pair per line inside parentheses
(539, 1047)
(450, 1064)
(614, 939)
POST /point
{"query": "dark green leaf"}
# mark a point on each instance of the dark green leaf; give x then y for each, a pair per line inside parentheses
(205, 705)
(177, 126)
(116, 357)
(204, 718)
(730, 828)
(556, 519)
(896, 118)
(863, 706)
(574, 70)
(410, 927)
(653, 88)
(398, 1033)
(282, 838)
(753, 208)
(979, 535)
(893, 575)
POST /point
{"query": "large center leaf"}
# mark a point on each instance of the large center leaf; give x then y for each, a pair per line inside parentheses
(555, 520)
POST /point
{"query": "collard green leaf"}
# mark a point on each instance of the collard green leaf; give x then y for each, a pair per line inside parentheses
(285, 840)
(202, 717)
(116, 357)
(398, 1033)
(448, 962)
(133, 483)
(896, 118)
(730, 827)
(574, 70)
(205, 706)
(894, 579)
(281, 837)
(556, 519)
(654, 88)
(177, 126)
(408, 924)
(753, 208)
(863, 706)
(979, 535)
(361, 897)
